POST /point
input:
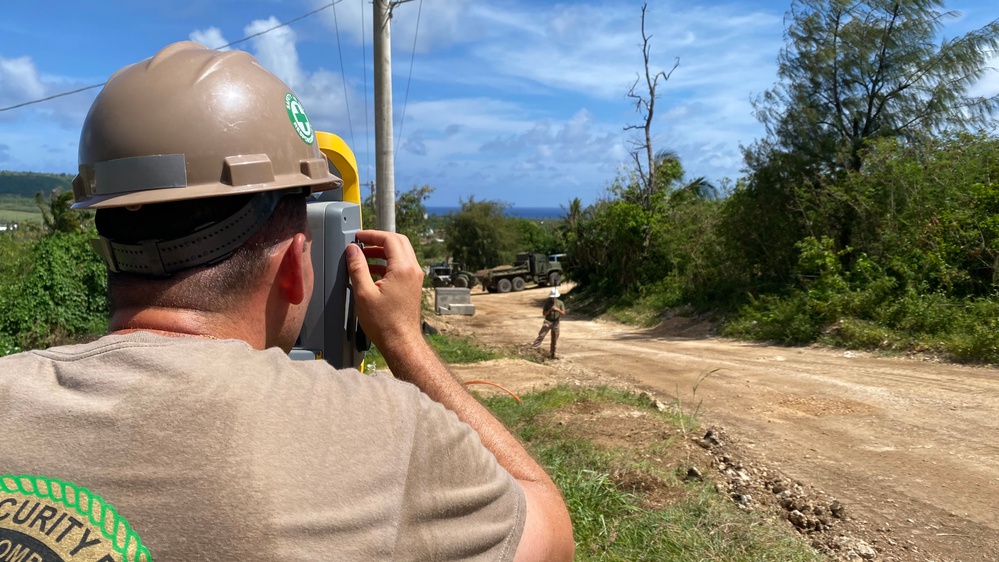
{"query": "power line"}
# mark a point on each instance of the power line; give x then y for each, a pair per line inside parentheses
(409, 80)
(280, 25)
(77, 91)
(367, 127)
(247, 38)
(343, 77)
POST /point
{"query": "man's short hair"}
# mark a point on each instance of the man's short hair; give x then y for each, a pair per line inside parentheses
(211, 288)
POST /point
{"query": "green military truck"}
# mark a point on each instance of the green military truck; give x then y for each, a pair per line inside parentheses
(527, 268)
(451, 275)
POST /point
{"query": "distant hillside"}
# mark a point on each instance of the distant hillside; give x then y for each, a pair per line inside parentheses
(27, 184)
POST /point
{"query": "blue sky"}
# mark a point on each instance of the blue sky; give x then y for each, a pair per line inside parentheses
(522, 101)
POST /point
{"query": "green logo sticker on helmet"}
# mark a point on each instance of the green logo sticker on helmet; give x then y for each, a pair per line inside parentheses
(45, 519)
(299, 119)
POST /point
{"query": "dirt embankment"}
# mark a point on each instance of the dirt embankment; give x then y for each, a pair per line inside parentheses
(906, 452)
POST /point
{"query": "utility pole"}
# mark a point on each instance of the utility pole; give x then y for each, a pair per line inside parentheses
(384, 151)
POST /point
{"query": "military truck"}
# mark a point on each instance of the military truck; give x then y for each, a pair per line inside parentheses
(527, 268)
(451, 275)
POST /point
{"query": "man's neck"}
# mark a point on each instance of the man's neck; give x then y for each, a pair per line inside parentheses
(183, 323)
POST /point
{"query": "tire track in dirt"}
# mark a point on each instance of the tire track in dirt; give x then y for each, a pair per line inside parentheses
(911, 447)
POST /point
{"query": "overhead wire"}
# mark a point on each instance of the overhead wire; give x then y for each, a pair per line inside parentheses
(367, 128)
(247, 38)
(280, 25)
(409, 80)
(343, 77)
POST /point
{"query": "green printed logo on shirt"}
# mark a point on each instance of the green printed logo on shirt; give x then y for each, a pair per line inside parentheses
(48, 520)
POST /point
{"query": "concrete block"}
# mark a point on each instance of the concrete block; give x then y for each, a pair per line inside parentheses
(445, 297)
(462, 309)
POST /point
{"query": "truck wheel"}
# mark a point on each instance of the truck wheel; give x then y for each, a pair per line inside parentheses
(504, 285)
(554, 279)
(461, 282)
(518, 283)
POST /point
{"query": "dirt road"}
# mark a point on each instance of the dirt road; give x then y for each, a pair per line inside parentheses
(911, 448)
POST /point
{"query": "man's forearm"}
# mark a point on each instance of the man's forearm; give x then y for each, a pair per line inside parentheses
(419, 364)
(389, 310)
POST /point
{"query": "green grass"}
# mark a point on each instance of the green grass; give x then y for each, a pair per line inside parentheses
(14, 208)
(452, 350)
(614, 523)
(8, 216)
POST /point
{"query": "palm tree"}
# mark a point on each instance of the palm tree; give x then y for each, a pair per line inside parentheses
(58, 214)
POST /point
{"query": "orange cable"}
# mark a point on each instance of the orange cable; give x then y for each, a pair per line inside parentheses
(517, 398)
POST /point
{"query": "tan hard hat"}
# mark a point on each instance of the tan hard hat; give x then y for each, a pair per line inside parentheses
(191, 123)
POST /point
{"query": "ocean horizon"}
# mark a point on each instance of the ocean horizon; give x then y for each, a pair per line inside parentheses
(514, 211)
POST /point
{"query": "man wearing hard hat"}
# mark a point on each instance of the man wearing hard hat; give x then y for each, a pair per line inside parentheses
(187, 433)
(553, 310)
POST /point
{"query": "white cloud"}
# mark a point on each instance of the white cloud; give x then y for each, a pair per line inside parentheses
(19, 81)
(442, 23)
(988, 85)
(211, 38)
(565, 69)
(276, 51)
(494, 149)
(521, 99)
(321, 91)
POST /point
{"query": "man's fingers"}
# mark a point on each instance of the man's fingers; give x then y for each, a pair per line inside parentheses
(374, 252)
(357, 268)
(393, 246)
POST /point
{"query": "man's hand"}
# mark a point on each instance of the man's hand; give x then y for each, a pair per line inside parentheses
(389, 308)
(389, 311)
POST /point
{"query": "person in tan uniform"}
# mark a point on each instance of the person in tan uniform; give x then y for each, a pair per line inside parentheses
(187, 433)
(553, 310)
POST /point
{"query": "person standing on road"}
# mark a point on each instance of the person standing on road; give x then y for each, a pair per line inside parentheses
(553, 310)
(187, 432)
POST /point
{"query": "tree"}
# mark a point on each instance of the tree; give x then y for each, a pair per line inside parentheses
(851, 72)
(645, 104)
(410, 214)
(538, 236)
(855, 70)
(480, 235)
(58, 214)
(58, 297)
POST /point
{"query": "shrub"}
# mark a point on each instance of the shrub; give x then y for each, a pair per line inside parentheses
(60, 296)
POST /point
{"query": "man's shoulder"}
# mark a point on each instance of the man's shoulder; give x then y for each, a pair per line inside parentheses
(191, 360)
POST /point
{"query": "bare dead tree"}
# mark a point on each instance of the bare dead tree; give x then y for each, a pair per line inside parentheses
(645, 105)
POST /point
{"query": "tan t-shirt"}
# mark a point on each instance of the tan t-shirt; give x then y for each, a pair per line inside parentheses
(143, 447)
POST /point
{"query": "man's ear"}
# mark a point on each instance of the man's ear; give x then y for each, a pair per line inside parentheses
(291, 271)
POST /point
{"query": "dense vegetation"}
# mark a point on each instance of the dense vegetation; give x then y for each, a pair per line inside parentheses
(52, 285)
(479, 234)
(27, 184)
(868, 215)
